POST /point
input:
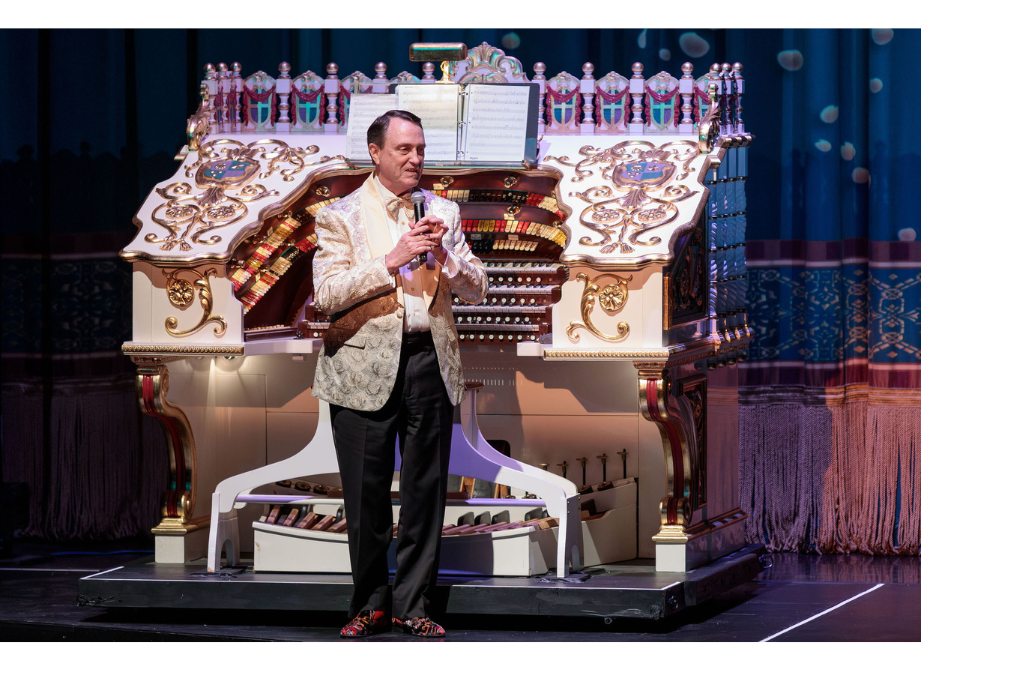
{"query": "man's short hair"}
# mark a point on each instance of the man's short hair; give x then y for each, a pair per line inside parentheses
(379, 128)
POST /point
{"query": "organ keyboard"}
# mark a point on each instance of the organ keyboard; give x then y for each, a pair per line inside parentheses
(613, 322)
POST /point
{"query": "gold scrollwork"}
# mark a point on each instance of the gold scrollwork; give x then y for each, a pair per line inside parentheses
(564, 160)
(195, 214)
(198, 126)
(635, 168)
(612, 298)
(487, 64)
(224, 165)
(294, 156)
(182, 293)
(278, 153)
(511, 180)
(707, 128)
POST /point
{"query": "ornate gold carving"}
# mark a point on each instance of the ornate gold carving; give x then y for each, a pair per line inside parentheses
(634, 167)
(670, 533)
(130, 349)
(555, 354)
(564, 160)
(224, 165)
(196, 214)
(323, 191)
(178, 499)
(611, 296)
(198, 126)
(511, 180)
(182, 293)
(707, 129)
(486, 64)
(675, 422)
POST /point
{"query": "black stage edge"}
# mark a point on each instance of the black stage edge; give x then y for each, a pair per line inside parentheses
(631, 589)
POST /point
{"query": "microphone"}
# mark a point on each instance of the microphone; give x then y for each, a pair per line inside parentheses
(418, 213)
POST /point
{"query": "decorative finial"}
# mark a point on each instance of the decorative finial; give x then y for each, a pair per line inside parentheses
(588, 70)
(638, 69)
(332, 70)
(381, 68)
(737, 68)
(222, 67)
(715, 68)
(284, 68)
(687, 69)
(236, 67)
(210, 71)
(428, 68)
(538, 68)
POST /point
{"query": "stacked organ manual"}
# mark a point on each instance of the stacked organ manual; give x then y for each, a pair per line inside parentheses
(478, 123)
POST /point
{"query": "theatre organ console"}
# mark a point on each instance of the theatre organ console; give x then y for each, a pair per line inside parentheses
(613, 322)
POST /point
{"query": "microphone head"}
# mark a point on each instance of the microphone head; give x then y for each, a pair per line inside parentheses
(417, 197)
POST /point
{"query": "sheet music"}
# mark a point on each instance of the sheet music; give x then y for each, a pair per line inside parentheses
(438, 107)
(497, 116)
(362, 111)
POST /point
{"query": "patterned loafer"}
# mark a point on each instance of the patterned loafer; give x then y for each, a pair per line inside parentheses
(420, 626)
(366, 623)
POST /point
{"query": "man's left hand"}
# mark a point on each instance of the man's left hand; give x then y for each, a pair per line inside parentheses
(439, 230)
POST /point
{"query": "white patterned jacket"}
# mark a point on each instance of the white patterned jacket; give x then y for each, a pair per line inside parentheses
(358, 362)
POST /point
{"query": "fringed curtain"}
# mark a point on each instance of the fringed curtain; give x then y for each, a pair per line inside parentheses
(830, 400)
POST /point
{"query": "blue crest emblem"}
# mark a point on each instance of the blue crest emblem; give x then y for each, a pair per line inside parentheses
(226, 170)
(643, 173)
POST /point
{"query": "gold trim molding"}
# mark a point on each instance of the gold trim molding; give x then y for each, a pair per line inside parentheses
(619, 354)
(174, 527)
(130, 349)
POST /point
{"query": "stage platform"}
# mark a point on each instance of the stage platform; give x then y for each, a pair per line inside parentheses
(802, 597)
(631, 590)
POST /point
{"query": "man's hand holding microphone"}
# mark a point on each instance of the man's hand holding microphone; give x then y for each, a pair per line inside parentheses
(424, 235)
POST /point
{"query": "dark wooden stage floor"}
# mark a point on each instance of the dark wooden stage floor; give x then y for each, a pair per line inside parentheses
(805, 598)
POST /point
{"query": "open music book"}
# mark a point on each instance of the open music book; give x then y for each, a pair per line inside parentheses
(477, 123)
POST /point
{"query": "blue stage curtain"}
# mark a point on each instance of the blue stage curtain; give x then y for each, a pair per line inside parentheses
(830, 416)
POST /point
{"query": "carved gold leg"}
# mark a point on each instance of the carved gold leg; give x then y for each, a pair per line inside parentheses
(151, 383)
(675, 420)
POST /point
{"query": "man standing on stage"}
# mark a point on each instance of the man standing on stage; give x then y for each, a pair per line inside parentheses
(390, 367)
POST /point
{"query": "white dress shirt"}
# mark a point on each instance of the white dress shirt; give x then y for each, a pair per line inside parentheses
(412, 275)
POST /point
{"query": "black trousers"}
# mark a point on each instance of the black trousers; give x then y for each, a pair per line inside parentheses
(420, 414)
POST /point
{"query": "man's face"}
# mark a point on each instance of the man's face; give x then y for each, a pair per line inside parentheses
(400, 162)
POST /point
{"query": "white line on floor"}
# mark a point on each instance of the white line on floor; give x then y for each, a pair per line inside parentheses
(848, 600)
(109, 570)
